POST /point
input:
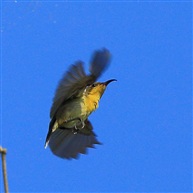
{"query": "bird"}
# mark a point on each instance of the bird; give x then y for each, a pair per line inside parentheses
(78, 94)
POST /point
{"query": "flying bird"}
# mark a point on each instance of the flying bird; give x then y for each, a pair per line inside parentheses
(77, 96)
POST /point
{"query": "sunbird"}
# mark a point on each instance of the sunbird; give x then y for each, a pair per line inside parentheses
(76, 97)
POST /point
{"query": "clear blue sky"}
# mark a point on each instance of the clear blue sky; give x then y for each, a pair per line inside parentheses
(144, 119)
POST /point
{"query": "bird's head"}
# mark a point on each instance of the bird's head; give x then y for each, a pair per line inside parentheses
(98, 88)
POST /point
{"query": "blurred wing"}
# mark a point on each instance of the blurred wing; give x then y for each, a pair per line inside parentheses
(99, 62)
(65, 144)
(70, 85)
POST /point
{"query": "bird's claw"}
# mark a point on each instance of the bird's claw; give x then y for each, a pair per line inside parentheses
(75, 130)
(83, 124)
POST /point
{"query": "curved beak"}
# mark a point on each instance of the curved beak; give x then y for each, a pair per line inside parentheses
(108, 81)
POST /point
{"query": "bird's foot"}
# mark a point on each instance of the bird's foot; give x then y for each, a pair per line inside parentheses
(75, 130)
(83, 124)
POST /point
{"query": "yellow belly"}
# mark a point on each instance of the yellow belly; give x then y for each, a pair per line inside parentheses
(90, 103)
(70, 114)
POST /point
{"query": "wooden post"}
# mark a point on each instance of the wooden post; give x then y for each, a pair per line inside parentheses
(3, 154)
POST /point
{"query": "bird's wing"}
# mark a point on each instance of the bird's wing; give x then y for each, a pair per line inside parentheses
(100, 60)
(76, 79)
(69, 86)
(65, 144)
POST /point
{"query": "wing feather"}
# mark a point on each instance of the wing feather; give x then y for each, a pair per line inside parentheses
(71, 83)
(99, 62)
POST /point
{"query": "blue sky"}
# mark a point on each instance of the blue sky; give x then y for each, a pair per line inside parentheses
(144, 119)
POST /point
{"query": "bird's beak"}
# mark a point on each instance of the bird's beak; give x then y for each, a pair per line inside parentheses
(108, 81)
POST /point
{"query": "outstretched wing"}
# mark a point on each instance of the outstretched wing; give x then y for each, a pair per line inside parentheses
(70, 85)
(65, 144)
(99, 62)
(75, 80)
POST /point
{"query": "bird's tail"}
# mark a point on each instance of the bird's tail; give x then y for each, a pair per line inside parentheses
(65, 144)
(51, 129)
